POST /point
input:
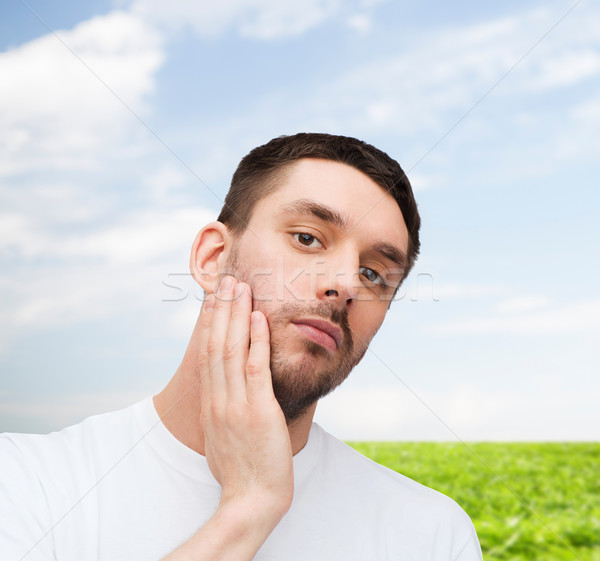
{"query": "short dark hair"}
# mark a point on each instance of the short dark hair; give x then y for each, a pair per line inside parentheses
(256, 175)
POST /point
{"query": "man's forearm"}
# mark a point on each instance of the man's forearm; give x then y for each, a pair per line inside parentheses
(234, 533)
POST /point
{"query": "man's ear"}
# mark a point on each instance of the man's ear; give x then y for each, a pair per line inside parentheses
(207, 255)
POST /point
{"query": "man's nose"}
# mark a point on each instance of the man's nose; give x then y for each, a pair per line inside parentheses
(339, 282)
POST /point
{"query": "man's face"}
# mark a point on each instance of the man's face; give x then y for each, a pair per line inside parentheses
(323, 256)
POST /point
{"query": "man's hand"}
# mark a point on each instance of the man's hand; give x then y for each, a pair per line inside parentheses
(247, 443)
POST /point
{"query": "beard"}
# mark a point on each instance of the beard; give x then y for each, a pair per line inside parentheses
(300, 381)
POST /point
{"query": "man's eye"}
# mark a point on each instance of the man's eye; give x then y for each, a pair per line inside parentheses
(307, 240)
(371, 275)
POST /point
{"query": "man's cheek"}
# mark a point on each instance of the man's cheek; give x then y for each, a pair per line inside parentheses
(262, 289)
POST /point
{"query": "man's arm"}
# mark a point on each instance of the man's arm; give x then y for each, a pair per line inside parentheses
(247, 443)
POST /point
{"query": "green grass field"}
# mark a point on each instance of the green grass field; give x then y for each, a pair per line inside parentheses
(528, 501)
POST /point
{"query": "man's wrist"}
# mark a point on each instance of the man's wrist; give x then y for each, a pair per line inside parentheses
(255, 510)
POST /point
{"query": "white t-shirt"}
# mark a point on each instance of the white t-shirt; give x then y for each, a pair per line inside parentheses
(120, 486)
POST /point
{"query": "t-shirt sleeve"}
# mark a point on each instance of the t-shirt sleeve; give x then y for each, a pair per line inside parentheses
(25, 522)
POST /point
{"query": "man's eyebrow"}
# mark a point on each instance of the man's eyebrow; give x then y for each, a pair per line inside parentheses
(392, 253)
(319, 210)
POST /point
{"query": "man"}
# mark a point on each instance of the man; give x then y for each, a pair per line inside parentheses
(316, 234)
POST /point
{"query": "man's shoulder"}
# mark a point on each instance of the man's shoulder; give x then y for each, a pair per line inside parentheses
(45, 477)
(404, 514)
(354, 463)
(72, 444)
(377, 484)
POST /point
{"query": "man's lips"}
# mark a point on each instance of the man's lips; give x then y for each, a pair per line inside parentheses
(321, 331)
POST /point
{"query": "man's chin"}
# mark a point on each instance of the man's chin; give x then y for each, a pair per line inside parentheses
(293, 407)
(298, 384)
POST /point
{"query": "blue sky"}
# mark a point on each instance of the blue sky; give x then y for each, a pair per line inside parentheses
(122, 122)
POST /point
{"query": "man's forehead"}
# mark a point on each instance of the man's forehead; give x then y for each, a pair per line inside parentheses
(328, 181)
(332, 180)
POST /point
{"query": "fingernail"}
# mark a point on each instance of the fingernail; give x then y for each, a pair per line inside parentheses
(209, 303)
(226, 283)
(239, 289)
(255, 318)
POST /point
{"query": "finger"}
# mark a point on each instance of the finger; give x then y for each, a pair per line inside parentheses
(258, 372)
(217, 336)
(235, 352)
(206, 315)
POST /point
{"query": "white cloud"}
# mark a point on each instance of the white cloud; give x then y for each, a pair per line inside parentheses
(99, 274)
(583, 316)
(467, 413)
(565, 69)
(579, 139)
(143, 237)
(55, 112)
(166, 183)
(455, 291)
(257, 19)
(419, 93)
(441, 72)
(371, 3)
(521, 304)
(48, 413)
(361, 23)
(181, 318)
(421, 182)
(587, 111)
